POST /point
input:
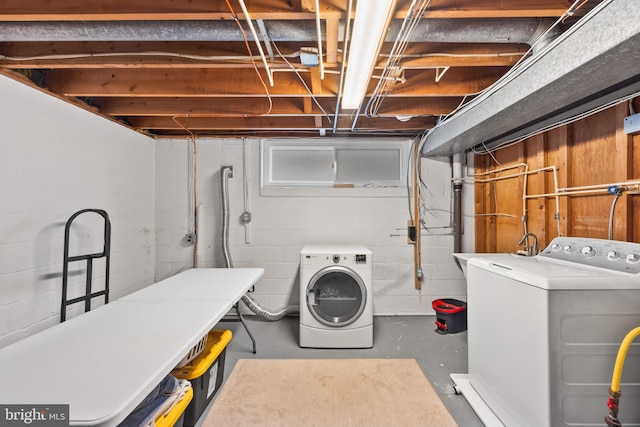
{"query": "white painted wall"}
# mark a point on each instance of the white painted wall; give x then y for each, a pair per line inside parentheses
(281, 225)
(56, 159)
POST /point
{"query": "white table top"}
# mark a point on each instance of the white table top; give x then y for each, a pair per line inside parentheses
(105, 362)
(227, 284)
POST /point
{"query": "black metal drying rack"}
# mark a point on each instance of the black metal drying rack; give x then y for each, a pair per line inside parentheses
(89, 295)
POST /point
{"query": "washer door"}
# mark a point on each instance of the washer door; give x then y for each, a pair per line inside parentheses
(336, 296)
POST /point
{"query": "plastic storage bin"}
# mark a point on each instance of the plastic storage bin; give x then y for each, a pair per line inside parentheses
(451, 315)
(205, 373)
(157, 404)
(194, 352)
(175, 417)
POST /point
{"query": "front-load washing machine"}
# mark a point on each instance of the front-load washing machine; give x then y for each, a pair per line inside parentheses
(336, 297)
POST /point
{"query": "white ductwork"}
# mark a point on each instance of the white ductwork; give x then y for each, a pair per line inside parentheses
(595, 62)
(515, 30)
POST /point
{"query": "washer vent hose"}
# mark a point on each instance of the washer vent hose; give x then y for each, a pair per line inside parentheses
(252, 304)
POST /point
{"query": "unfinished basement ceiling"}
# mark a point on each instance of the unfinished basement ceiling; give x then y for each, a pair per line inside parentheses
(172, 68)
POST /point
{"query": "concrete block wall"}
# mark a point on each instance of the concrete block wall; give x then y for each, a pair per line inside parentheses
(56, 159)
(284, 222)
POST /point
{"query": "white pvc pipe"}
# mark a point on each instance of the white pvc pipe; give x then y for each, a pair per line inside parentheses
(526, 196)
(614, 184)
(594, 191)
(499, 170)
(319, 31)
(345, 42)
(199, 234)
(456, 171)
(255, 37)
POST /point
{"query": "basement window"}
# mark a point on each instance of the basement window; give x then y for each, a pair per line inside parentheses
(335, 164)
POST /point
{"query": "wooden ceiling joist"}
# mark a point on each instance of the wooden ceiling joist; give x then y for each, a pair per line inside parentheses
(270, 123)
(240, 107)
(219, 83)
(128, 75)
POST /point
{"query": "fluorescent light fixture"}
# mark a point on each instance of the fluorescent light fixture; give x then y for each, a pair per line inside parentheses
(369, 28)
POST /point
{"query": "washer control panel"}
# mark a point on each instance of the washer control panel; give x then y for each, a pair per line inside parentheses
(611, 254)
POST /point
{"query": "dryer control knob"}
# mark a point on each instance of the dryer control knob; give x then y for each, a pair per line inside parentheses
(556, 246)
(568, 249)
(336, 258)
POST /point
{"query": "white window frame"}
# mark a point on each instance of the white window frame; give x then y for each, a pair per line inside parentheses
(393, 188)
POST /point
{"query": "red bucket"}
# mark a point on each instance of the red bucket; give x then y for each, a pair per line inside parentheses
(451, 315)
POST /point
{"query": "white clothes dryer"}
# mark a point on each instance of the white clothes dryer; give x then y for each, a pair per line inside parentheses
(336, 297)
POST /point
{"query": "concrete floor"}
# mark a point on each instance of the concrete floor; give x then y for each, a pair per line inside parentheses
(394, 337)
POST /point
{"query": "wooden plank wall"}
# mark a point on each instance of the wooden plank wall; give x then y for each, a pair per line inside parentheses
(591, 151)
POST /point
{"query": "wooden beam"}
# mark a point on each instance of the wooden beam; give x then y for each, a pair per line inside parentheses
(199, 106)
(426, 54)
(191, 82)
(222, 123)
(331, 40)
(461, 61)
(232, 55)
(307, 105)
(214, 82)
(142, 62)
(268, 123)
(418, 106)
(159, 54)
(457, 82)
(306, 5)
(386, 124)
(241, 106)
(316, 83)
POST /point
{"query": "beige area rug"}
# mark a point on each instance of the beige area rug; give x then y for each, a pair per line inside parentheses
(328, 393)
